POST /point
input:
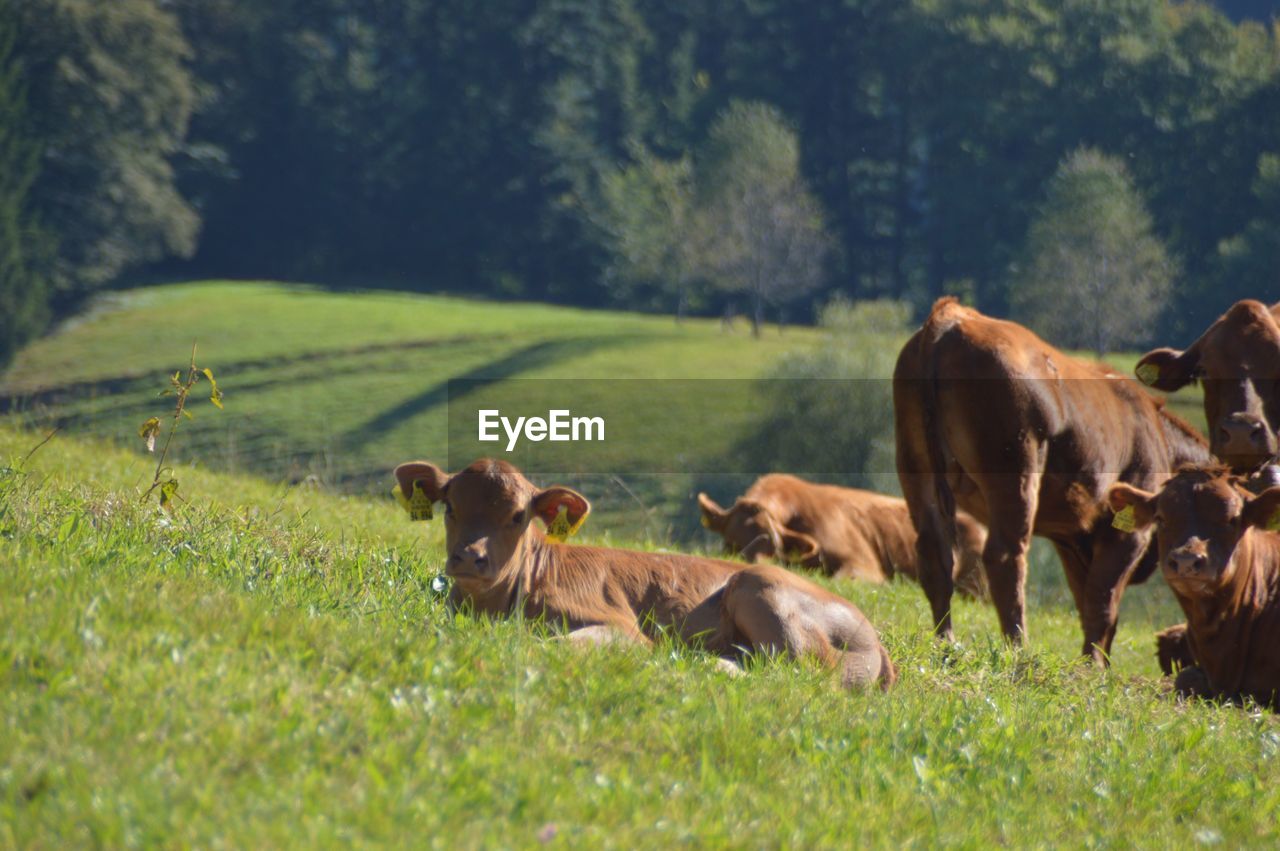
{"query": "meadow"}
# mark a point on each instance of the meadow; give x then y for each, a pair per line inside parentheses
(338, 388)
(269, 664)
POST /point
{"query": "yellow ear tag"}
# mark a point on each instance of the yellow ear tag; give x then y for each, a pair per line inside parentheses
(1148, 374)
(1124, 520)
(560, 528)
(1273, 522)
(706, 521)
(417, 506)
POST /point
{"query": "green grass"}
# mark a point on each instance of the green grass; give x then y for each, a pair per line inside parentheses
(269, 667)
(335, 389)
(338, 388)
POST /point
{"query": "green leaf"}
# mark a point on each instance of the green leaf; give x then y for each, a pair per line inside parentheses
(168, 490)
(215, 394)
(148, 433)
(188, 414)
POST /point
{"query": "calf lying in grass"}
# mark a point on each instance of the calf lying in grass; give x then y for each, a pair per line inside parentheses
(845, 532)
(1224, 567)
(502, 563)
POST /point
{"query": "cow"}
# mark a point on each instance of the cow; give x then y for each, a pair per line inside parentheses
(845, 532)
(503, 564)
(1223, 563)
(1237, 360)
(991, 418)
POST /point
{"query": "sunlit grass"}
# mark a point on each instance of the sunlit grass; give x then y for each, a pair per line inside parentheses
(270, 667)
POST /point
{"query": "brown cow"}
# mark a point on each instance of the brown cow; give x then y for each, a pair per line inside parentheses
(1027, 440)
(1224, 568)
(1238, 361)
(846, 532)
(502, 563)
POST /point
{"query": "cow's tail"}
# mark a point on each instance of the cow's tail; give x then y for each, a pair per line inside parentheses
(888, 671)
(941, 319)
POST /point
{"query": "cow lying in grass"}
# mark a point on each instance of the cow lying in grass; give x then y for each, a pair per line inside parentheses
(1224, 567)
(503, 564)
(845, 532)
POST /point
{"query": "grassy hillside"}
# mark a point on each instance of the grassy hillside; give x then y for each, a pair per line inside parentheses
(269, 666)
(344, 385)
(339, 388)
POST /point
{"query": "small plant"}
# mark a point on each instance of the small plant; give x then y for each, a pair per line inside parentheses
(180, 388)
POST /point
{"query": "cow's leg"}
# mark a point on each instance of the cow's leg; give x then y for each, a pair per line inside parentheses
(1012, 501)
(1173, 649)
(1115, 555)
(935, 549)
(970, 576)
(602, 634)
(856, 560)
(1075, 564)
(762, 616)
(1193, 682)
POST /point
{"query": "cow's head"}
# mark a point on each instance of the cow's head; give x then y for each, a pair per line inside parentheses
(1201, 515)
(752, 531)
(488, 513)
(1238, 363)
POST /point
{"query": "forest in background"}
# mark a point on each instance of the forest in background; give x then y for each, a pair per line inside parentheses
(627, 152)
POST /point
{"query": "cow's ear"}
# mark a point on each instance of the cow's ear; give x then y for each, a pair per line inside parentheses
(1135, 509)
(713, 516)
(1263, 510)
(1168, 369)
(430, 479)
(799, 548)
(552, 503)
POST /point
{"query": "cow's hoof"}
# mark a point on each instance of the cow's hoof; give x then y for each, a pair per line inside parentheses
(1192, 683)
(728, 666)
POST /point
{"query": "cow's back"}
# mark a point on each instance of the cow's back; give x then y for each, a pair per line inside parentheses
(847, 522)
(1005, 402)
(586, 584)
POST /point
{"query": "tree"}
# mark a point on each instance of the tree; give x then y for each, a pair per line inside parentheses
(1093, 273)
(109, 98)
(761, 230)
(1249, 263)
(23, 298)
(647, 208)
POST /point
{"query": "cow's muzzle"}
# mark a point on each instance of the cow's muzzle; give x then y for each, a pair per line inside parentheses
(1189, 561)
(1244, 441)
(471, 560)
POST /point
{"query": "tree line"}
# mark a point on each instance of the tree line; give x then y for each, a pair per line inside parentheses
(642, 153)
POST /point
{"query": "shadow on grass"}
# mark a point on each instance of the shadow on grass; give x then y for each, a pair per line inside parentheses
(504, 368)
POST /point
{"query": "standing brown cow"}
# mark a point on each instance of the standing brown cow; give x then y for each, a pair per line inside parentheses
(1224, 568)
(1026, 439)
(502, 564)
(1238, 361)
(846, 532)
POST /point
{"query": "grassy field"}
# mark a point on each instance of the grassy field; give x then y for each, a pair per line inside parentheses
(269, 666)
(339, 388)
(344, 385)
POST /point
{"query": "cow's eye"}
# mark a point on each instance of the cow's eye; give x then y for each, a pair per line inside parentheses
(517, 518)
